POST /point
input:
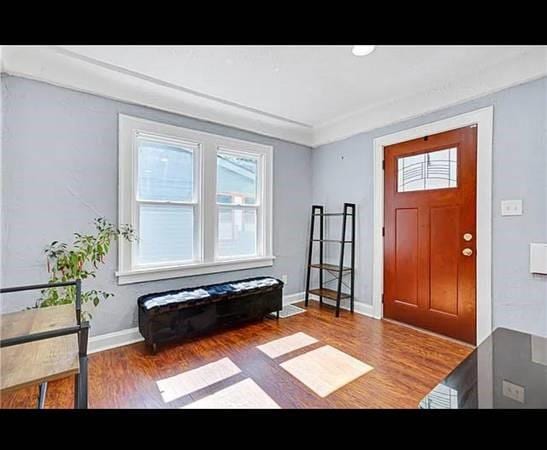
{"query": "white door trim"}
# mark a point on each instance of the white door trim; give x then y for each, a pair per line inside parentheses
(483, 118)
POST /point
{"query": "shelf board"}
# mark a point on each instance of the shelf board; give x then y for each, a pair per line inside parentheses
(333, 267)
(331, 240)
(328, 293)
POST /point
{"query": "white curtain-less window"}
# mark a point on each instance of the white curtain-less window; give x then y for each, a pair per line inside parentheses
(166, 198)
(200, 203)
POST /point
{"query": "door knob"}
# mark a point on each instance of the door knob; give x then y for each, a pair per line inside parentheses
(467, 237)
(467, 252)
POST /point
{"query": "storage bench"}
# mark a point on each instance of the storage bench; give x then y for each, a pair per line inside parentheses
(190, 312)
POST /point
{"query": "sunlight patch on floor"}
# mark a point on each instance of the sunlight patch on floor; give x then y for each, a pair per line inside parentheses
(193, 380)
(326, 369)
(286, 344)
(245, 394)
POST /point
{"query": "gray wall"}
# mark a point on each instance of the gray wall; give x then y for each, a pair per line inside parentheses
(60, 170)
(342, 172)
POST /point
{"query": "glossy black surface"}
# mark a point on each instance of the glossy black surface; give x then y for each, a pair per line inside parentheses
(508, 370)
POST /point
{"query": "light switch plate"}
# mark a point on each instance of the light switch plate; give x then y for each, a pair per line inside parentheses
(513, 391)
(511, 207)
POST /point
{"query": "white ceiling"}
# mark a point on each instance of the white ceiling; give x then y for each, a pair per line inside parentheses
(306, 84)
(314, 87)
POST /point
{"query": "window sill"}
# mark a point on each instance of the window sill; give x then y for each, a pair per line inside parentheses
(190, 270)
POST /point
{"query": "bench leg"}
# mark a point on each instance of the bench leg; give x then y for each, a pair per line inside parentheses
(277, 314)
(152, 347)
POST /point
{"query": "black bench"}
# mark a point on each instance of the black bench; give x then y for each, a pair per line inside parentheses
(191, 312)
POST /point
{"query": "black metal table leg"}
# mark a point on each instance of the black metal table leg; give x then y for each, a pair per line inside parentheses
(80, 380)
(80, 385)
(42, 390)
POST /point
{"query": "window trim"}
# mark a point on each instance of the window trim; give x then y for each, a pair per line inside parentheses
(209, 145)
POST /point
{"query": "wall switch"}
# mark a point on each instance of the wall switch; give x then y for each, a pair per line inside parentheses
(513, 391)
(511, 207)
(284, 279)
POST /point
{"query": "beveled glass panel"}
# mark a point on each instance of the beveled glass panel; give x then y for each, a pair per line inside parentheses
(426, 171)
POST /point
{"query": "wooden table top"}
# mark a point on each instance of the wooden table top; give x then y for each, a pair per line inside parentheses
(45, 360)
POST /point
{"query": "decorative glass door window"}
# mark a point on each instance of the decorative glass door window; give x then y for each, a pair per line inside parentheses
(426, 171)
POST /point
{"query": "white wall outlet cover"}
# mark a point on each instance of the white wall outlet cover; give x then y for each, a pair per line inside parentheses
(539, 350)
(284, 279)
(513, 391)
(538, 258)
(511, 207)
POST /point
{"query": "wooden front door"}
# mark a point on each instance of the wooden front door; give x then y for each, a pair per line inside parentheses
(430, 233)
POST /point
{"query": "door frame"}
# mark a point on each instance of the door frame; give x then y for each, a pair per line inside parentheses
(483, 118)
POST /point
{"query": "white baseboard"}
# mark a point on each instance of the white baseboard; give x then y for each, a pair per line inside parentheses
(113, 340)
(293, 298)
(358, 307)
(132, 335)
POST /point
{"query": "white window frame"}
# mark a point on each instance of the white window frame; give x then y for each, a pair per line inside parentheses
(205, 160)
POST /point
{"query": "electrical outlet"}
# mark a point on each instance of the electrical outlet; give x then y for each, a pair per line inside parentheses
(511, 208)
(513, 391)
(284, 279)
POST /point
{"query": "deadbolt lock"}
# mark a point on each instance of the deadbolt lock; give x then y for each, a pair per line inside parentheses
(467, 237)
(467, 252)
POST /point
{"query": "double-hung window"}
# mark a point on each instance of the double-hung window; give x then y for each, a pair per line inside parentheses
(200, 203)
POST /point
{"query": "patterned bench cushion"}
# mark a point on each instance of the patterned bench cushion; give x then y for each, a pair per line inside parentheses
(206, 294)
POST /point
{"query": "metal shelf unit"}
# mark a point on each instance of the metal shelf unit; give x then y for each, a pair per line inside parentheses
(339, 271)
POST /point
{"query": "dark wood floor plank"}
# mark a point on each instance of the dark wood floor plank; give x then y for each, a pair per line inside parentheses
(407, 364)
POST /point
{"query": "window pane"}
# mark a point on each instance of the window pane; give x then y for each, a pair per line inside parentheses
(236, 231)
(236, 179)
(166, 172)
(432, 170)
(166, 233)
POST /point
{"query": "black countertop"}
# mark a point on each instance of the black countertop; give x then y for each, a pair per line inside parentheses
(507, 370)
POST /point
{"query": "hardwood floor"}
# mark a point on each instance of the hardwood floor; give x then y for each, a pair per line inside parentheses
(407, 364)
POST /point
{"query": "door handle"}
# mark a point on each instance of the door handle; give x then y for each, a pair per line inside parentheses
(467, 252)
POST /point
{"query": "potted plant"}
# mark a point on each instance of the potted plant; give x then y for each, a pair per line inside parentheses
(80, 261)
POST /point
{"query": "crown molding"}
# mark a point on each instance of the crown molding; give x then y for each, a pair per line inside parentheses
(521, 69)
(64, 68)
(67, 69)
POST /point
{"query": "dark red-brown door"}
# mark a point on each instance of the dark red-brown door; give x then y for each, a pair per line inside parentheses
(430, 233)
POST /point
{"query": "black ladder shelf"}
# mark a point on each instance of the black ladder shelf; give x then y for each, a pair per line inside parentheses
(338, 271)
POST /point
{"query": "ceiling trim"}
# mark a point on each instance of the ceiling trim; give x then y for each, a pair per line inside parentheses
(64, 68)
(525, 67)
(67, 69)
